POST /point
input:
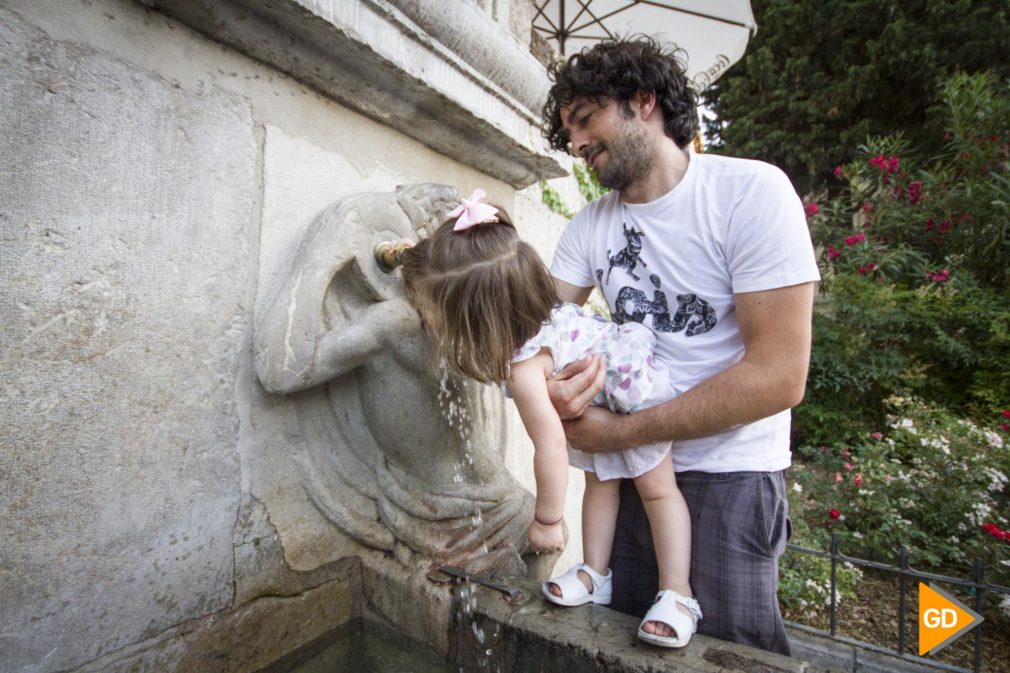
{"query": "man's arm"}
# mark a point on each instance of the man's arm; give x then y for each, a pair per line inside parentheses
(572, 293)
(775, 326)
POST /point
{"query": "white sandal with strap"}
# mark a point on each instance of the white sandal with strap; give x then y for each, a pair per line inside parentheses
(574, 592)
(664, 610)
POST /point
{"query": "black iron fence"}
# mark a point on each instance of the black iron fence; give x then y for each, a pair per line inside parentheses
(977, 586)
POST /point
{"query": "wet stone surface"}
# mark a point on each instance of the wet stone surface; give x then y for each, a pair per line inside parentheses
(531, 636)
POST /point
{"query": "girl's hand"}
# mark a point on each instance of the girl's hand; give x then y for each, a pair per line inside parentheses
(547, 538)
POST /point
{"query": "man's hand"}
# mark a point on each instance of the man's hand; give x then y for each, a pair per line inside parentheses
(574, 387)
(595, 430)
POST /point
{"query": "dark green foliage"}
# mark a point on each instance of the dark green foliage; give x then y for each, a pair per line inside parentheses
(819, 77)
(916, 264)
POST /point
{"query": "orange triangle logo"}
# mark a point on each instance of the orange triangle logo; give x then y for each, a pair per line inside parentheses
(942, 619)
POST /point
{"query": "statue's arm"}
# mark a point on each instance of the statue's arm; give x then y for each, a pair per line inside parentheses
(293, 345)
(299, 360)
(343, 349)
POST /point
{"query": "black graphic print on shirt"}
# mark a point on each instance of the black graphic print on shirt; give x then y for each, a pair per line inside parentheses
(627, 257)
(632, 304)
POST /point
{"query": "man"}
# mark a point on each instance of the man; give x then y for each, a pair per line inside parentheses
(713, 254)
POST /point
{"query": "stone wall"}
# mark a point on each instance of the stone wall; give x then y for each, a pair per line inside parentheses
(160, 162)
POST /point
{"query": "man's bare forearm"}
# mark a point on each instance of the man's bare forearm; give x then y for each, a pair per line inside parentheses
(741, 394)
(775, 327)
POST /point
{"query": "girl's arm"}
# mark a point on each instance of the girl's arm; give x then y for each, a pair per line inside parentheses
(528, 387)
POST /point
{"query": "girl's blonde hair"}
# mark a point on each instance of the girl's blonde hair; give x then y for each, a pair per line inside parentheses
(487, 293)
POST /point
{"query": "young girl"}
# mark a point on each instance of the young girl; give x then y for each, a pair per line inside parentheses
(492, 306)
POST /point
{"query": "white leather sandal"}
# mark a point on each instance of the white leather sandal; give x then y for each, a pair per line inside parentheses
(664, 610)
(574, 592)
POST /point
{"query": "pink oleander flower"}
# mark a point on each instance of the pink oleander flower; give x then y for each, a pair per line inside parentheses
(849, 466)
(839, 172)
(889, 164)
(915, 190)
(1005, 413)
(834, 513)
(1005, 427)
(944, 227)
(853, 240)
(867, 268)
(845, 453)
(811, 209)
(876, 436)
(938, 276)
(833, 252)
(857, 480)
(838, 478)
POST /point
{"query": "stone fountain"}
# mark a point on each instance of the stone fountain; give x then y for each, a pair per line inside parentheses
(396, 454)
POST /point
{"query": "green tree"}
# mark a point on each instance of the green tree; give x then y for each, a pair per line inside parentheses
(915, 260)
(819, 77)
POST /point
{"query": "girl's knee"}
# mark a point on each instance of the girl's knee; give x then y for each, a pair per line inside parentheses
(655, 485)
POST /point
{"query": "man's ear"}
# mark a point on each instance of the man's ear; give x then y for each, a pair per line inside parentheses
(644, 104)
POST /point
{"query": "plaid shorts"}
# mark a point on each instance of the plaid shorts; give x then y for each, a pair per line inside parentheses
(739, 528)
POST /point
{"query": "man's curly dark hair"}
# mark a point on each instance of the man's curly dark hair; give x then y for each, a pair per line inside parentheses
(618, 69)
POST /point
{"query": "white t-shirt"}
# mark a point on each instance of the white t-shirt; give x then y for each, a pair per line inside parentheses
(674, 264)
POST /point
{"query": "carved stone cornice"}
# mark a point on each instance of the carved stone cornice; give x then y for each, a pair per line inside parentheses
(443, 73)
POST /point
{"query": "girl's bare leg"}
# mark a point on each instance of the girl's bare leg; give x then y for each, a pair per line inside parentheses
(599, 519)
(670, 523)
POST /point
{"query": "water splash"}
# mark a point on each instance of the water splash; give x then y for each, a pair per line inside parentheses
(453, 407)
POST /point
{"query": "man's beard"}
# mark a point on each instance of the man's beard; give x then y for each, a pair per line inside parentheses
(629, 158)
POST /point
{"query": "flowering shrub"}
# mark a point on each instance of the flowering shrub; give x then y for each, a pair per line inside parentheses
(905, 422)
(919, 217)
(915, 257)
(928, 480)
(805, 580)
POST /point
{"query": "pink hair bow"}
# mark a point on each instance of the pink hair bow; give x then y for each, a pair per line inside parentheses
(472, 211)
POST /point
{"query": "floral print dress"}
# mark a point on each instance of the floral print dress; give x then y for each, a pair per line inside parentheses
(635, 379)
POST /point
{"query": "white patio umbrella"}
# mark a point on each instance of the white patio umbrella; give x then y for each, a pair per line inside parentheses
(712, 33)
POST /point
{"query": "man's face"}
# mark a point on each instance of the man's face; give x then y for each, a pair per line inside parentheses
(610, 138)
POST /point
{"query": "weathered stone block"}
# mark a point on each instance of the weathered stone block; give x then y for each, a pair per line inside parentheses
(126, 224)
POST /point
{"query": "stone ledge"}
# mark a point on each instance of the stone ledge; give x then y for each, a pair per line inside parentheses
(845, 657)
(533, 636)
(399, 62)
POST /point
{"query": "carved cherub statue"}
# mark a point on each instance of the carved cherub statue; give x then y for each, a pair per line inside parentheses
(398, 456)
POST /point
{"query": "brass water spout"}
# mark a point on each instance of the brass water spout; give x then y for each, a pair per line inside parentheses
(389, 253)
